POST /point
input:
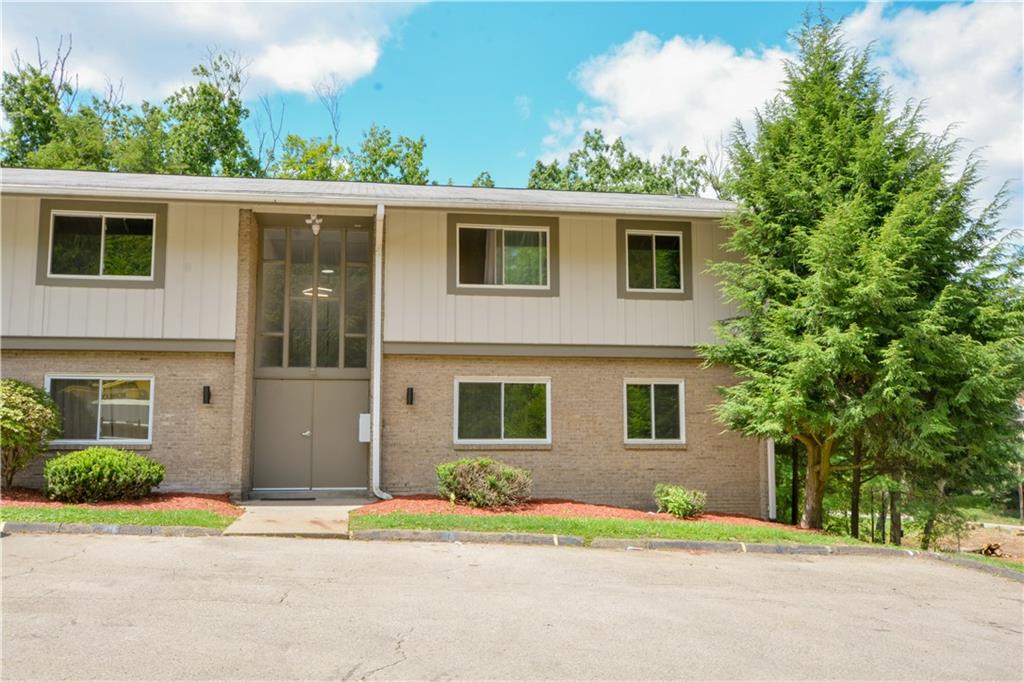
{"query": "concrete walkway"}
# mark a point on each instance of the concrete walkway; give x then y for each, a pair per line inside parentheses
(325, 518)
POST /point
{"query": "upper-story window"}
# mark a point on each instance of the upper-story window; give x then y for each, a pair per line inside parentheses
(101, 244)
(502, 255)
(654, 259)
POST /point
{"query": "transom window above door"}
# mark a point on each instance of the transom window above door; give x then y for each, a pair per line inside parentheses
(654, 259)
(314, 295)
(502, 255)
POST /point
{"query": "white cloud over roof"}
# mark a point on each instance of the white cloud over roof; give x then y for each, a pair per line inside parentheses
(153, 46)
(964, 60)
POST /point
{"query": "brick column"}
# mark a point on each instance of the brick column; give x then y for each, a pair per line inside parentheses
(245, 325)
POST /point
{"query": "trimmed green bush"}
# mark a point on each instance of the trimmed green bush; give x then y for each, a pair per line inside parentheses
(679, 501)
(483, 482)
(28, 419)
(97, 474)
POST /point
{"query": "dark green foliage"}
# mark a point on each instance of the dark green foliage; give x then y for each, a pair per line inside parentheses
(873, 301)
(598, 166)
(28, 419)
(679, 501)
(483, 180)
(100, 473)
(483, 482)
(206, 136)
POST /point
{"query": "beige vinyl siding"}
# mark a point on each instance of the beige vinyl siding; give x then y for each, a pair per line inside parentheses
(197, 301)
(587, 311)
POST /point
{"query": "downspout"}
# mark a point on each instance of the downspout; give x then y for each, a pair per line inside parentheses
(772, 511)
(377, 352)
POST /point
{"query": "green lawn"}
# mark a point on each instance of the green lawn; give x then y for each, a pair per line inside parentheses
(589, 528)
(73, 514)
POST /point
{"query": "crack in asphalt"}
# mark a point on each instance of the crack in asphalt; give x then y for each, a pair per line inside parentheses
(399, 641)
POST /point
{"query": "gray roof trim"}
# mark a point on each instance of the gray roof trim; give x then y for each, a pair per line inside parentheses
(327, 193)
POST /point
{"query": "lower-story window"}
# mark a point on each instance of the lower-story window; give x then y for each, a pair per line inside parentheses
(105, 409)
(490, 410)
(654, 411)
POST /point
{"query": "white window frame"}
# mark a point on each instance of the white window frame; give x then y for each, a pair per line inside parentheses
(502, 229)
(99, 405)
(654, 260)
(501, 415)
(681, 384)
(102, 215)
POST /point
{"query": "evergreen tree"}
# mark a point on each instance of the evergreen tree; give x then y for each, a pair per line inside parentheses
(860, 261)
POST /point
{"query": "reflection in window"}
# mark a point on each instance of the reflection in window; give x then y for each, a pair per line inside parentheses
(654, 412)
(654, 261)
(491, 256)
(502, 411)
(103, 408)
(314, 297)
(102, 245)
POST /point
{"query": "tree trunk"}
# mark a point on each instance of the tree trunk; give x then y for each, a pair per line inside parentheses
(815, 477)
(896, 521)
(926, 533)
(872, 517)
(858, 457)
(881, 516)
(794, 502)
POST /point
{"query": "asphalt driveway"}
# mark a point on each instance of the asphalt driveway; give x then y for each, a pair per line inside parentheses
(79, 607)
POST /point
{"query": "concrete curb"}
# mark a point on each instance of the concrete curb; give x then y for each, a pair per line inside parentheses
(12, 527)
(397, 534)
(747, 547)
(979, 566)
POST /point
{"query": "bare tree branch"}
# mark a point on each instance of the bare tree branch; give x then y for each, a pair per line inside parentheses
(268, 127)
(329, 93)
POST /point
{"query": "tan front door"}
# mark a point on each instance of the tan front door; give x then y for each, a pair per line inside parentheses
(306, 434)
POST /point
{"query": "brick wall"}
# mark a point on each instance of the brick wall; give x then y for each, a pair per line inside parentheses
(192, 440)
(587, 459)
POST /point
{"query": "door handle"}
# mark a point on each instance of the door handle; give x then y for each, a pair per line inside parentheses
(306, 434)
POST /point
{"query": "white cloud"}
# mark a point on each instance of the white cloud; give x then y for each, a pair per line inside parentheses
(661, 96)
(300, 67)
(153, 46)
(522, 104)
(965, 60)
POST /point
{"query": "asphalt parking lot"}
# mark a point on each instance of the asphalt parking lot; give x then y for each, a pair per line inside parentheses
(101, 607)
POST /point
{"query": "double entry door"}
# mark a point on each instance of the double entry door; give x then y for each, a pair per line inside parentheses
(307, 434)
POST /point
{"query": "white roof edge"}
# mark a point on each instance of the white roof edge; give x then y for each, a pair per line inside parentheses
(325, 193)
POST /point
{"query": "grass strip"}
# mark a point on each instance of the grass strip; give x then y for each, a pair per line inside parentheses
(75, 514)
(590, 528)
(1013, 564)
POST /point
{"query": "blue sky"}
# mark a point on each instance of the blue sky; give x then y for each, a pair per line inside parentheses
(496, 86)
(480, 81)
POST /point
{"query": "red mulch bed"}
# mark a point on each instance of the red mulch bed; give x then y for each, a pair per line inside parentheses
(218, 504)
(432, 504)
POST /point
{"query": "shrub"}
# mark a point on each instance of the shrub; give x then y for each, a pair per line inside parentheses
(679, 501)
(97, 474)
(28, 419)
(483, 482)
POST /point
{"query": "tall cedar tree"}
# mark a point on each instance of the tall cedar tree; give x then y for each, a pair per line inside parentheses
(869, 298)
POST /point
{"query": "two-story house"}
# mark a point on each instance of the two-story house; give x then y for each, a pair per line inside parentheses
(282, 337)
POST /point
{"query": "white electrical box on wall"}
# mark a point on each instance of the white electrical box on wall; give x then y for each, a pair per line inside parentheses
(364, 427)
